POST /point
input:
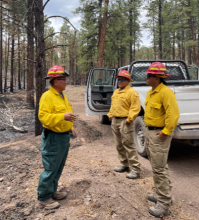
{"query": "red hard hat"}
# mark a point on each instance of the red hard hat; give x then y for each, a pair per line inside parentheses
(125, 74)
(157, 68)
(56, 71)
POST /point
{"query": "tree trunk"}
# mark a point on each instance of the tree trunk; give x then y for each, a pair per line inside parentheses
(1, 48)
(103, 35)
(12, 65)
(19, 64)
(160, 29)
(40, 51)
(174, 55)
(131, 35)
(100, 25)
(194, 46)
(30, 57)
(6, 64)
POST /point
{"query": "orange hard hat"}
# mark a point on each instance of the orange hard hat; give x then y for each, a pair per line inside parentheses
(56, 71)
(125, 74)
(159, 69)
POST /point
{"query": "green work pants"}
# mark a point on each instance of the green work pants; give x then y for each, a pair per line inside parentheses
(54, 151)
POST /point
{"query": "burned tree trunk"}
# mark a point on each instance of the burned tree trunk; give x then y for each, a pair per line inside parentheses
(1, 39)
(30, 57)
(40, 51)
(19, 64)
(12, 65)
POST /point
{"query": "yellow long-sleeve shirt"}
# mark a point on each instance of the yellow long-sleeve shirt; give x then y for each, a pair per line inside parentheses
(161, 109)
(51, 111)
(125, 103)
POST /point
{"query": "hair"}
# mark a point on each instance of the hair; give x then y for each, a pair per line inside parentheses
(52, 81)
(163, 81)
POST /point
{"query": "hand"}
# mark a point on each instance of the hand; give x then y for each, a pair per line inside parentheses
(162, 136)
(128, 123)
(69, 117)
(111, 118)
(74, 132)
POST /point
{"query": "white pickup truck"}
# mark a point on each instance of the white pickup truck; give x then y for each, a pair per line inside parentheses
(101, 83)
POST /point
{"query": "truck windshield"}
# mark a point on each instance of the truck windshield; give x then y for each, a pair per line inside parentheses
(175, 72)
(102, 77)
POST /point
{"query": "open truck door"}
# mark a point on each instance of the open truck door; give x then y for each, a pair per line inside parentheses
(101, 83)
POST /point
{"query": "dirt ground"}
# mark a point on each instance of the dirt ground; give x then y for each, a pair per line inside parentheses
(95, 191)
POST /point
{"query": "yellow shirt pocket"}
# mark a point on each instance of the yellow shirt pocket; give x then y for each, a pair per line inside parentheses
(60, 109)
(156, 109)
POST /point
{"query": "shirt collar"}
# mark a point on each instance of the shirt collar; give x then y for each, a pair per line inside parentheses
(54, 91)
(124, 90)
(157, 89)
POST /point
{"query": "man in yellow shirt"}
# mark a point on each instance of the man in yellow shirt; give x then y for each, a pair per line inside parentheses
(125, 106)
(161, 118)
(56, 116)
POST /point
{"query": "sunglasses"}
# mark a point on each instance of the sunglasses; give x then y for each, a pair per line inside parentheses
(121, 80)
(149, 75)
(65, 80)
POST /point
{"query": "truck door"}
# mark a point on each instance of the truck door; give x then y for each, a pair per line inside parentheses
(101, 83)
(193, 72)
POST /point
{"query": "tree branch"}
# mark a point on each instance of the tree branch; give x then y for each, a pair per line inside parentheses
(54, 34)
(57, 16)
(21, 25)
(45, 4)
(55, 46)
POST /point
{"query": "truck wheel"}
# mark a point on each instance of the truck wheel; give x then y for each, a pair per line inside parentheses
(139, 135)
(104, 119)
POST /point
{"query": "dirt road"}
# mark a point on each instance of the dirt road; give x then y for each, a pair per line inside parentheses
(94, 190)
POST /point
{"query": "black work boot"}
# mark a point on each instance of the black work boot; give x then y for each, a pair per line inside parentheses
(121, 169)
(133, 175)
(157, 210)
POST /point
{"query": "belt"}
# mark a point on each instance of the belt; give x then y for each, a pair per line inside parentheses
(120, 117)
(46, 132)
(155, 128)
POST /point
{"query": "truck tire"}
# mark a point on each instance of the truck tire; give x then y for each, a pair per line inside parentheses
(139, 135)
(104, 119)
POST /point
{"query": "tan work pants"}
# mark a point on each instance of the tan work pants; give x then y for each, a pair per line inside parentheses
(157, 152)
(124, 139)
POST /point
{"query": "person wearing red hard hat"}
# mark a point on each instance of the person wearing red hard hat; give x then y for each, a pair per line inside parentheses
(56, 116)
(161, 118)
(125, 106)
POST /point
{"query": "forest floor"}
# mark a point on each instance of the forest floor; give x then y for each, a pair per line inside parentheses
(95, 191)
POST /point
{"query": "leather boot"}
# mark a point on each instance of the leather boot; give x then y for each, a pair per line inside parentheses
(49, 204)
(133, 175)
(121, 169)
(59, 195)
(157, 210)
(153, 198)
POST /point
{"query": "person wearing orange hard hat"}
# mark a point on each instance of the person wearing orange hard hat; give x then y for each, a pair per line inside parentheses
(161, 118)
(56, 116)
(125, 106)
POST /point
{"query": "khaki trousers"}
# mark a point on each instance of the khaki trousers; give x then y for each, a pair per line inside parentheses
(157, 152)
(124, 139)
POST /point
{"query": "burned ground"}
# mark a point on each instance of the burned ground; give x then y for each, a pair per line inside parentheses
(95, 191)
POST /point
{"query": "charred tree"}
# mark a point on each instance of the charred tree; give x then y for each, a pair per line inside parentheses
(30, 56)
(40, 59)
(12, 65)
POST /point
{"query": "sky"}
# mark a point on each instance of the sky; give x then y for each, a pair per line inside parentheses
(65, 8)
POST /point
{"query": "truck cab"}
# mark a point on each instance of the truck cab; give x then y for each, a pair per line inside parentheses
(102, 82)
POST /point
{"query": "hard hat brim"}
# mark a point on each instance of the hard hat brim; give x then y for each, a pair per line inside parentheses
(57, 76)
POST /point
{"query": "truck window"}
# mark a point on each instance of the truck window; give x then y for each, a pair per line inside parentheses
(138, 73)
(102, 77)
